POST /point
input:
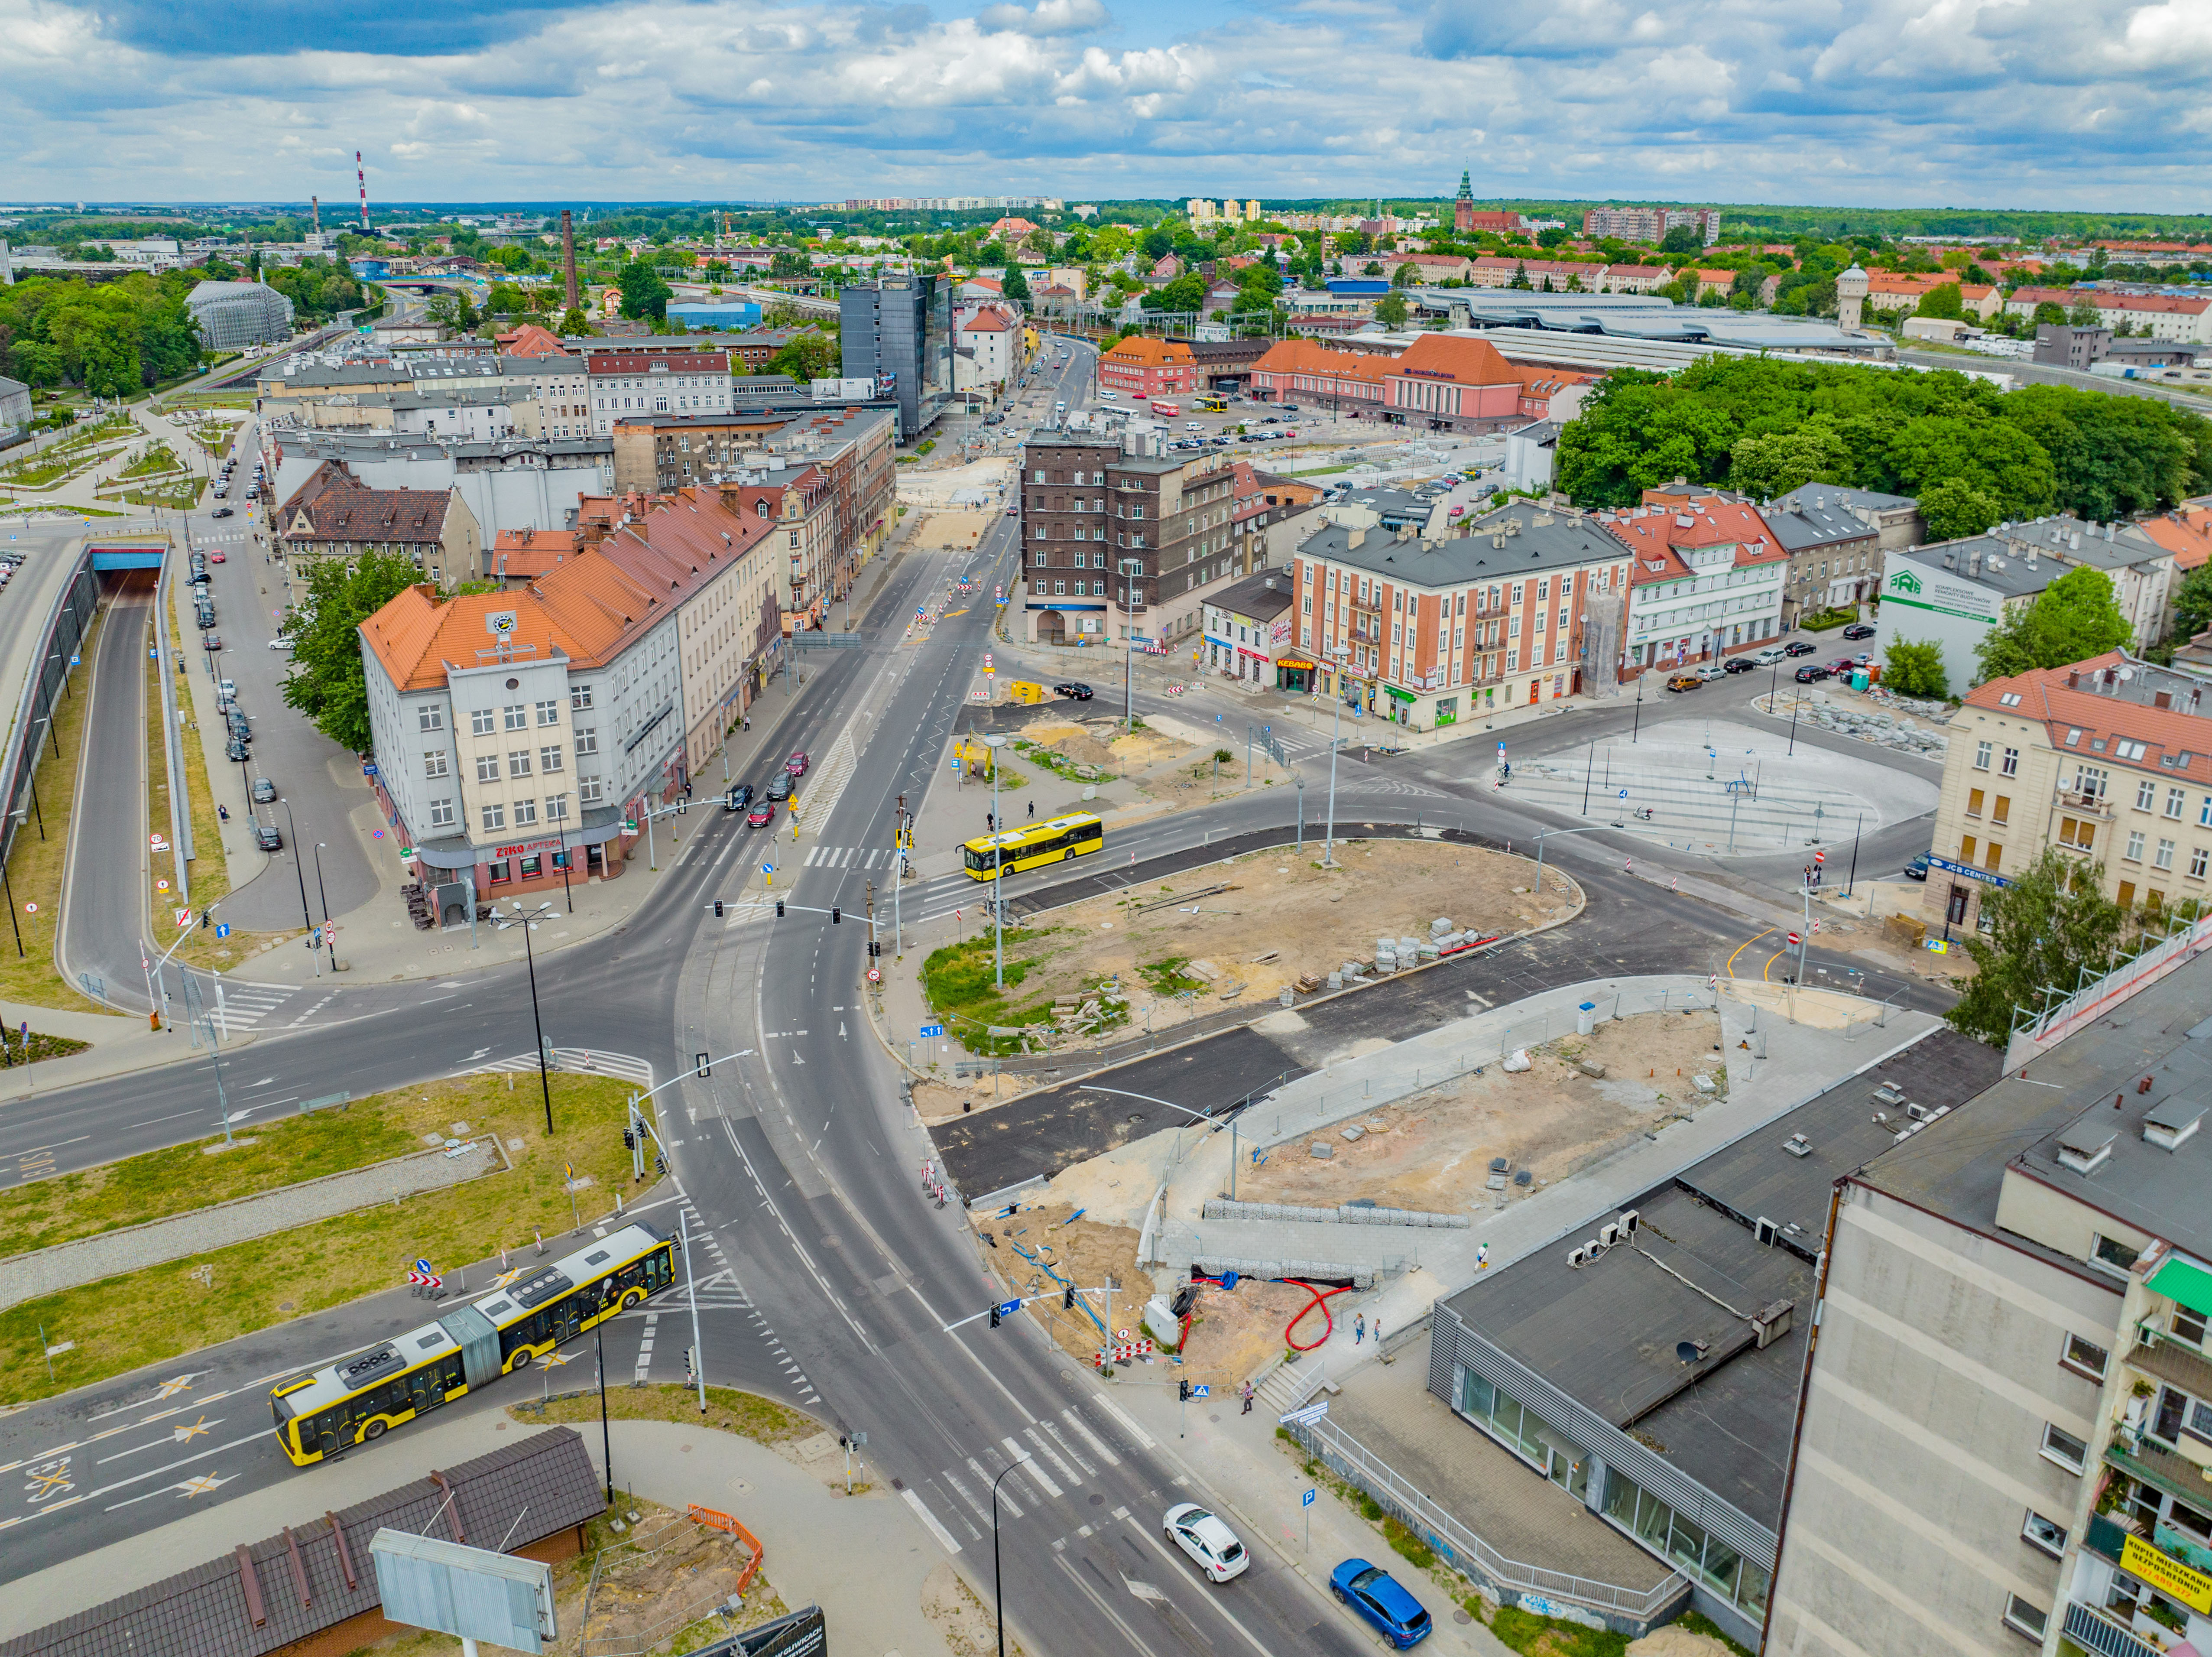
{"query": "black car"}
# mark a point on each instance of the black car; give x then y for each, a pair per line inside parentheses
(739, 796)
(1918, 868)
(267, 837)
(1799, 647)
(780, 785)
(1811, 675)
(1739, 665)
(264, 790)
(220, 512)
(239, 725)
(234, 749)
(1073, 690)
(1859, 630)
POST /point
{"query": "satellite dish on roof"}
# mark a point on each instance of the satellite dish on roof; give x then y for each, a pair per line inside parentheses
(2126, 673)
(1687, 1351)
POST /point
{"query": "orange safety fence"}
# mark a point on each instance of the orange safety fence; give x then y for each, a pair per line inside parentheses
(722, 1521)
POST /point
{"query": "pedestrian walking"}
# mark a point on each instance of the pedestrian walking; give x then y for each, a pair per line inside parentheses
(1033, 811)
(1482, 1257)
(990, 823)
(1245, 1393)
(1359, 1329)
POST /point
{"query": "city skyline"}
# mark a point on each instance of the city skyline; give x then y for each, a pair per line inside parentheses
(1970, 105)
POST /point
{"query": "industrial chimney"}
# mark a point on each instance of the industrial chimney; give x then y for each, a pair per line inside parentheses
(569, 253)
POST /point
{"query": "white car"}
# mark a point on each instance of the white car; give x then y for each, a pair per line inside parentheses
(1710, 671)
(1212, 1546)
(1769, 656)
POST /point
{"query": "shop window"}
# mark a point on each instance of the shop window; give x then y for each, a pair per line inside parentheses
(502, 872)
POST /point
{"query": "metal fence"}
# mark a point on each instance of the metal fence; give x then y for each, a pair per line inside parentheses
(30, 724)
(2100, 1634)
(1351, 1459)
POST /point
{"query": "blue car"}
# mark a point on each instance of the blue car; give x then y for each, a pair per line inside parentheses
(1377, 1596)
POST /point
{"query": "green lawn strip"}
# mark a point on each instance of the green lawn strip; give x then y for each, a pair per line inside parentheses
(1549, 1636)
(148, 1316)
(728, 1410)
(1696, 1623)
(158, 460)
(1167, 978)
(959, 980)
(36, 864)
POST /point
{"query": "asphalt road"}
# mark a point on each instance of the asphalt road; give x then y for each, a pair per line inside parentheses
(104, 901)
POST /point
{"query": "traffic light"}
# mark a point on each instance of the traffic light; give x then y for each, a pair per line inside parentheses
(1067, 1298)
(994, 1314)
(718, 909)
(630, 1139)
(779, 909)
(1183, 1393)
(689, 1372)
(836, 915)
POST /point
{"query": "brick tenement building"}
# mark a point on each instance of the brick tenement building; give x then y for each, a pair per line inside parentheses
(1086, 507)
(1143, 368)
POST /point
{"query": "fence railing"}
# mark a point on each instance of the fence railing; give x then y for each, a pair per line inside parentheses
(2100, 1634)
(1353, 1460)
(29, 727)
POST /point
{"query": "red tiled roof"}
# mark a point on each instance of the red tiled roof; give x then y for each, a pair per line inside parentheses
(2186, 532)
(1143, 351)
(1455, 358)
(1653, 533)
(334, 505)
(2045, 694)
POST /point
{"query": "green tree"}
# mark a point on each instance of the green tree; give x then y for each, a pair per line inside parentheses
(1764, 467)
(573, 323)
(1682, 239)
(2050, 924)
(2192, 602)
(2071, 620)
(2085, 316)
(1407, 275)
(1953, 507)
(1943, 301)
(327, 683)
(809, 357)
(644, 295)
(1911, 668)
(1390, 309)
(787, 263)
(1185, 293)
(1520, 276)
(2050, 313)
(1015, 285)
(1553, 236)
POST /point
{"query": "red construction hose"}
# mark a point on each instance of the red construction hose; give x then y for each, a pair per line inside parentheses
(1320, 1295)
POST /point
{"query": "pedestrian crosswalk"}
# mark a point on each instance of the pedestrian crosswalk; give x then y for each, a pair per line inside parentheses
(243, 1004)
(577, 1061)
(851, 857)
(1056, 1460)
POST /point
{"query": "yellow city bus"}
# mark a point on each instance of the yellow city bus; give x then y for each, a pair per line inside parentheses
(361, 1397)
(1214, 405)
(1031, 848)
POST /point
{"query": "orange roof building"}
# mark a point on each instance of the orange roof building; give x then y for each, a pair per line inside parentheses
(1706, 581)
(516, 732)
(1143, 368)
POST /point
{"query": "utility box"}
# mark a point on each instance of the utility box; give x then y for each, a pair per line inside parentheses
(1022, 691)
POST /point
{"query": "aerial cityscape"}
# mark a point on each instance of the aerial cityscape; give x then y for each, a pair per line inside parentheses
(984, 868)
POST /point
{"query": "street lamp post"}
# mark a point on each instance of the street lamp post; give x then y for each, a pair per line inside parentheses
(306, 920)
(994, 742)
(1339, 654)
(998, 1586)
(323, 892)
(537, 1022)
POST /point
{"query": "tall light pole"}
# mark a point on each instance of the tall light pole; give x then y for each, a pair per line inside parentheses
(537, 1024)
(1339, 654)
(998, 1587)
(1131, 568)
(994, 742)
(323, 893)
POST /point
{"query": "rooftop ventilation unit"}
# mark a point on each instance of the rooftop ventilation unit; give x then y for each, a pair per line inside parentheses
(1797, 1145)
(1766, 1231)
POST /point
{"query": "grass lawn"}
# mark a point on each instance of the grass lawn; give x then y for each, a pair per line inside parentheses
(958, 980)
(34, 868)
(210, 870)
(1549, 1637)
(142, 1317)
(728, 1410)
(158, 458)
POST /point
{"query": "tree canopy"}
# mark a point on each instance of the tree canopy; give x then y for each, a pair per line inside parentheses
(327, 683)
(2053, 920)
(1915, 668)
(2071, 620)
(1977, 454)
(644, 295)
(112, 338)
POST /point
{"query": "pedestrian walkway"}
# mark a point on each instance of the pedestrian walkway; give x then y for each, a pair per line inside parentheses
(575, 1061)
(849, 857)
(241, 1003)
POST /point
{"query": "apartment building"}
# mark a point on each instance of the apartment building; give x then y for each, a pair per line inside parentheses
(1247, 633)
(514, 729)
(2109, 760)
(626, 382)
(1141, 367)
(510, 483)
(1121, 546)
(557, 389)
(334, 514)
(2166, 316)
(1650, 224)
(898, 333)
(1425, 631)
(2006, 1418)
(1835, 556)
(1707, 580)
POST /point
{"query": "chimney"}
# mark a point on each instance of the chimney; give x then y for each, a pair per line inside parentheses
(569, 254)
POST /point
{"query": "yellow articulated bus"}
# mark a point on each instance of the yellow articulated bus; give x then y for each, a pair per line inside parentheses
(1214, 405)
(1033, 847)
(361, 1397)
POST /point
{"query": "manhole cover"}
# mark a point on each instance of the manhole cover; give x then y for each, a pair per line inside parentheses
(741, 1486)
(1461, 1617)
(1097, 1501)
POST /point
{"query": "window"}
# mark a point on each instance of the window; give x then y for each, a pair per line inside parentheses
(2196, 861)
(580, 696)
(1982, 756)
(2010, 699)
(2073, 737)
(2024, 1618)
(556, 808)
(482, 722)
(433, 717)
(1973, 802)
(2072, 831)
(517, 763)
(495, 818)
(1966, 844)
(549, 713)
(2128, 749)
(441, 814)
(1993, 856)
(588, 789)
(2146, 795)
(434, 763)
(2184, 1323)
(517, 716)
(2176, 798)
(2046, 1534)
(2134, 853)
(2087, 1356)
(588, 739)
(2163, 857)
(525, 813)
(2112, 1255)
(487, 768)
(2062, 1447)
(2012, 762)
(549, 760)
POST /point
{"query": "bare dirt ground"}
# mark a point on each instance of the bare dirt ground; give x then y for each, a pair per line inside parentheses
(965, 1621)
(1675, 1641)
(1090, 1254)
(946, 528)
(1235, 1332)
(1163, 942)
(665, 1574)
(1433, 1151)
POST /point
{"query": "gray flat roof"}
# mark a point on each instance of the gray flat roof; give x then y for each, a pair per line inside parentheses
(1644, 316)
(2071, 1092)
(2004, 569)
(1809, 519)
(1606, 1333)
(1260, 596)
(1543, 542)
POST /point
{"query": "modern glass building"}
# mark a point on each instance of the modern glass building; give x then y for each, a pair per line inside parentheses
(898, 332)
(233, 315)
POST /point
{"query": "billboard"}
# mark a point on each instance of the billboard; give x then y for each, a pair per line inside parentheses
(471, 1594)
(844, 391)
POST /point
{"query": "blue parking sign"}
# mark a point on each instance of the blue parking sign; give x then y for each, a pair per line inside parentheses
(1307, 1500)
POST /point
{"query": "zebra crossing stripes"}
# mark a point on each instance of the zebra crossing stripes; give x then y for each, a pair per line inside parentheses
(1048, 1451)
(575, 1061)
(245, 1004)
(851, 857)
(644, 1347)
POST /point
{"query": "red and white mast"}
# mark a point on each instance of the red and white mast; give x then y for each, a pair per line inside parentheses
(362, 177)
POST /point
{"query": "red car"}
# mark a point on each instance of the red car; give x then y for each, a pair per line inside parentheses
(763, 812)
(217, 557)
(797, 764)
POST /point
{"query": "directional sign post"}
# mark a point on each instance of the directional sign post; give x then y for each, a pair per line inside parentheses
(1306, 1502)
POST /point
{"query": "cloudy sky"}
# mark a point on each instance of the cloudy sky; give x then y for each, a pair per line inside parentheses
(2001, 103)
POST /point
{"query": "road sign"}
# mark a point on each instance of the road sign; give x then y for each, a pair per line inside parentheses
(1007, 1308)
(1306, 1500)
(1305, 1416)
(422, 1265)
(956, 762)
(875, 975)
(929, 1030)
(1794, 940)
(1201, 1390)
(1820, 857)
(223, 928)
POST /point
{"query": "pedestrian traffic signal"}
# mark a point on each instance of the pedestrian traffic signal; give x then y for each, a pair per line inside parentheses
(718, 909)
(1183, 1390)
(779, 909)
(1067, 1298)
(688, 1372)
(836, 915)
(630, 1139)
(994, 1315)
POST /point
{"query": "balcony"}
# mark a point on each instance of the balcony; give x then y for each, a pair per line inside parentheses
(2084, 805)
(2094, 1630)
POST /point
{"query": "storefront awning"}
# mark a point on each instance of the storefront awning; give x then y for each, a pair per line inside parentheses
(598, 825)
(1402, 696)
